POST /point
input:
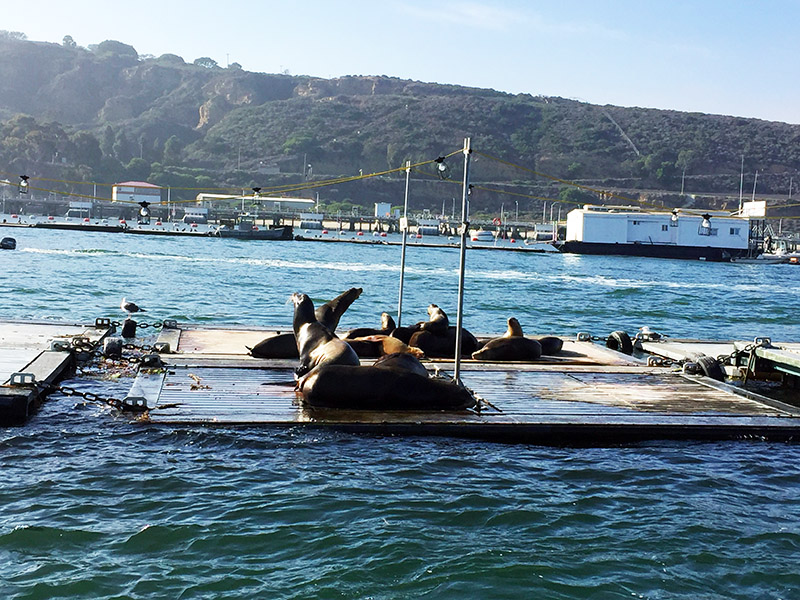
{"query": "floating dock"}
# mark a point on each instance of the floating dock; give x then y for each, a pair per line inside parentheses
(587, 394)
(38, 352)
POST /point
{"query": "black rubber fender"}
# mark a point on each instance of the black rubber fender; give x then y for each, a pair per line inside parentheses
(620, 341)
(711, 367)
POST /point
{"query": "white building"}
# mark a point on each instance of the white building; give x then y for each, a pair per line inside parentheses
(678, 234)
(136, 191)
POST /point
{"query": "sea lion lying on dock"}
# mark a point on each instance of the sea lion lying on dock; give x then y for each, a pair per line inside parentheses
(283, 345)
(437, 323)
(380, 388)
(436, 337)
(511, 346)
(387, 327)
(317, 345)
(373, 346)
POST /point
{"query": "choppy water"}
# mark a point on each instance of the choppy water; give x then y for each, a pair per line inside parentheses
(94, 507)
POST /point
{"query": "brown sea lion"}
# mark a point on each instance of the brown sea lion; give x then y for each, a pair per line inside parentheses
(511, 346)
(284, 345)
(437, 322)
(329, 313)
(401, 360)
(551, 345)
(444, 346)
(373, 346)
(387, 327)
(316, 344)
(280, 345)
(375, 388)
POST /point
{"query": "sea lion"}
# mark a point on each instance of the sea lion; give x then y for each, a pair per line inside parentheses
(373, 346)
(387, 326)
(444, 346)
(511, 346)
(317, 344)
(401, 360)
(284, 345)
(437, 324)
(280, 345)
(329, 313)
(375, 388)
(551, 345)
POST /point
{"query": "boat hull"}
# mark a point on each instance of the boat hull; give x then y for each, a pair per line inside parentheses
(283, 232)
(653, 250)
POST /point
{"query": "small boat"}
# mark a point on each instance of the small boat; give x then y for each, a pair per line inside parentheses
(482, 235)
(247, 230)
(8, 243)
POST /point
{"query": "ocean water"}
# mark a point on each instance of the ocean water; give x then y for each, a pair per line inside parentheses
(96, 507)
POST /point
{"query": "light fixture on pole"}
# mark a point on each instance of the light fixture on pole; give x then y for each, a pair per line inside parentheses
(23, 184)
(673, 220)
(144, 213)
(442, 170)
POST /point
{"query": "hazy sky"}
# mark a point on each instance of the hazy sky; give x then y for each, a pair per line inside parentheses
(725, 57)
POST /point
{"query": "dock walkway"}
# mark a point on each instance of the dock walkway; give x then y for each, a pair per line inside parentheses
(27, 349)
(585, 395)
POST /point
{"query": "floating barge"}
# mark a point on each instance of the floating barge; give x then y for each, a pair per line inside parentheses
(588, 394)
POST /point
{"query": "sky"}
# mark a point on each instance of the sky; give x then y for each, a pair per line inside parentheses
(728, 57)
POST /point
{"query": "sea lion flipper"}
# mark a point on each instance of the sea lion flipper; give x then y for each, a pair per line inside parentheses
(329, 313)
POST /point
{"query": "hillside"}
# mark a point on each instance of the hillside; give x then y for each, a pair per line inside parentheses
(106, 113)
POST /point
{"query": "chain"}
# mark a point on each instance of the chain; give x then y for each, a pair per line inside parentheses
(87, 396)
(749, 349)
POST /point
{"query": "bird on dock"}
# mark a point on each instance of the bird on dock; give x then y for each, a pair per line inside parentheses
(130, 307)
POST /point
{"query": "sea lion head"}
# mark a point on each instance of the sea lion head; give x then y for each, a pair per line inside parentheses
(387, 323)
(514, 328)
(303, 310)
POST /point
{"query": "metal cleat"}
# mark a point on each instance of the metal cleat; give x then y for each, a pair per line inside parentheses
(151, 361)
(170, 324)
(101, 322)
(134, 404)
(60, 346)
(22, 379)
(584, 337)
(764, 342)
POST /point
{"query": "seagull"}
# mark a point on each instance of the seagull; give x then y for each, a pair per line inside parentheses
(130, 307)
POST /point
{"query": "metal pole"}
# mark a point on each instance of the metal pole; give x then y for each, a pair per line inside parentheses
(404, 227)
(462, 260)
(741, 185)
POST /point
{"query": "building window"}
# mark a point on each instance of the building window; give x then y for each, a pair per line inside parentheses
(735, 230)
(713, 231)
(637, 222)
(665, 228)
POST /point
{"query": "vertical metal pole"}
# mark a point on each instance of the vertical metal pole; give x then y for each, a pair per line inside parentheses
(741, 185)
(462, 260)
(404, 227)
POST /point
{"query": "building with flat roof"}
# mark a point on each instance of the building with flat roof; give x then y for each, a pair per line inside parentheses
(136, 191)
